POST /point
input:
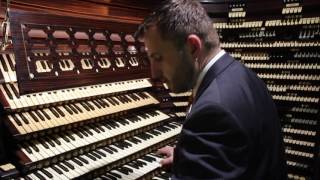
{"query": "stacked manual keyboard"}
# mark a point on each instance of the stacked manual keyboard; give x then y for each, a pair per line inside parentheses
(86, 132)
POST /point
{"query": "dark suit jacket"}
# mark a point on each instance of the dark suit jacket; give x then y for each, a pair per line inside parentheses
(233, 130)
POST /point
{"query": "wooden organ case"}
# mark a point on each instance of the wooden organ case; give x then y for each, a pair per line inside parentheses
(77, 95)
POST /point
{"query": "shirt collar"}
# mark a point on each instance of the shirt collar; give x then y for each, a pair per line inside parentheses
(205, 70)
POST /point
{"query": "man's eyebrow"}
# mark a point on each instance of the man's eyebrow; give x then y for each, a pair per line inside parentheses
(154, 54)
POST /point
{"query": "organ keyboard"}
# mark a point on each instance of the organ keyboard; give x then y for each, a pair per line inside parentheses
(105, 155)
(58, 140)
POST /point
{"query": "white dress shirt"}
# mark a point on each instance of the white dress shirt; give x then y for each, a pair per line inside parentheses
(205, 70)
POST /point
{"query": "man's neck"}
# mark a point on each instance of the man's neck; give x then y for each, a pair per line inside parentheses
(207, 57)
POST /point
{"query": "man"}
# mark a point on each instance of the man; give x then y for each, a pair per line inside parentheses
(232, 130)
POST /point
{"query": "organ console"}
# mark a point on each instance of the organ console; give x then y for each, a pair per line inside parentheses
(77, 96)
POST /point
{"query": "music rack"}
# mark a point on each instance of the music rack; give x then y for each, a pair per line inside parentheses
(73, 48)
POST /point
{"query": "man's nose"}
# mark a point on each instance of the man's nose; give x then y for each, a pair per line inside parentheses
(156, 71)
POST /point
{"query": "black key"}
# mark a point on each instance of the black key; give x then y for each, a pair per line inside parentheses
(5, 68)
(134, 165)
(10, 61)
(106, 125)
(94, 128)
(39, 115)
(14, 90)
(27, 178)
(114, 100)
(127, 98)
(49, 141)
(114, 123)
(24, 119)
(8, 92)
(83, 160)
(138, 164)
(123, 171)
(70, 136)
(102, 103)
(39, 176)
(34, 147)
(132, 141)
(110, 101)
(96, 155)
(78, 108)
(66, 163)
(111, 177)
(56, 140)
(116, 175)
(26, 147)
(57, 170)
(73, 108)
(135, 97)
(43, 143)
(77, 133)
(90, 105)
(136, 140)
(121, 122)
(45, 114)
(96, 104)
(119, 98)
(46, 173)
(63, 167)
(153, 132)
(82, 131)
(118, 145)
(64, 137)
(68, 109)
(105, 102)
(54, 112)
(141, 162)
(147, 159)
(88, 131)
(145, 95)
(113, 149)
(77, 162)
(101, 153)
(128, 169)
(85, 106)
(59, 111)
(91, 157)
(100, 128)
(107, 150)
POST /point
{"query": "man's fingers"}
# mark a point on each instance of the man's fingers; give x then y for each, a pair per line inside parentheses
(165, 150)
(166, 162)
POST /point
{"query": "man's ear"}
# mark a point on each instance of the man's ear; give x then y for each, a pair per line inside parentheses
(195, 45)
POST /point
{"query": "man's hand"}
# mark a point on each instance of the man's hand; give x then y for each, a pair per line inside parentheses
(167, 151)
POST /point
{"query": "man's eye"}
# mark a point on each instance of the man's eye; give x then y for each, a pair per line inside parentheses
(157, 58)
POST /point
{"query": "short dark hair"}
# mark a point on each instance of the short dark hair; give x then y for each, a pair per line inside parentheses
(176, 19)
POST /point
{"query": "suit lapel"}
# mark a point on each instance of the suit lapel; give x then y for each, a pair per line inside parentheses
(213, 72)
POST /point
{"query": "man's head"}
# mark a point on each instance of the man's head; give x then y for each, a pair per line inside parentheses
(177, 36)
